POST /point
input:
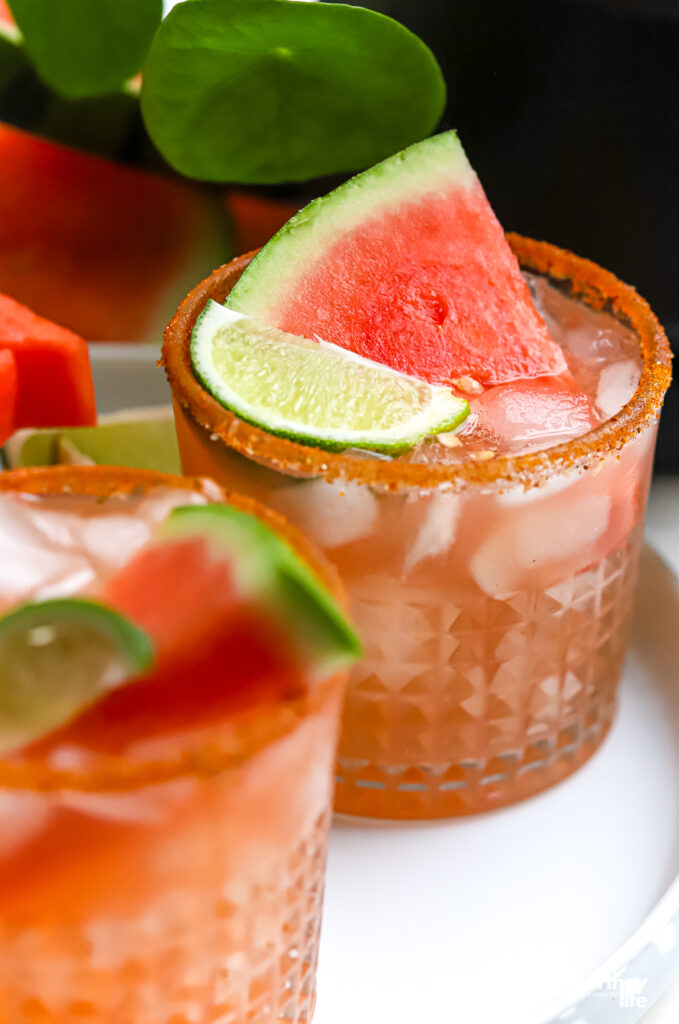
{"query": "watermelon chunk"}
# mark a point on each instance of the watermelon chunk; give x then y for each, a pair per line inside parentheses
(8, 391)
(55, 386)
(405, 264)
(98, 246)
(178, 592)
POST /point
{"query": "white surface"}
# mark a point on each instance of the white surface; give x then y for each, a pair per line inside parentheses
(662, 530)
(127, 377)
(502, 918)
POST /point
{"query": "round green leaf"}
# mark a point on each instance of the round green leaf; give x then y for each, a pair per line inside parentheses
(268, 91)
(87, 47)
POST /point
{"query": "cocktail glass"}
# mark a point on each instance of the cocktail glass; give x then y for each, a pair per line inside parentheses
(174, 883)
(493, 597)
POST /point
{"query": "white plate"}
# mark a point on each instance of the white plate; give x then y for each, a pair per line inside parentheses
(562, 909)
(126, 376)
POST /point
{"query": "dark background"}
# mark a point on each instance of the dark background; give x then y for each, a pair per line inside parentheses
(569, 112)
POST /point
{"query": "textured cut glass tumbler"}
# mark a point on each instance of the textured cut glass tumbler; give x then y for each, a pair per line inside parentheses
(493, 597)
(180, 884)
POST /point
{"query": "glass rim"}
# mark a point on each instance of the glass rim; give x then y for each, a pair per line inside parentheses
(581, 278)
(218, 751)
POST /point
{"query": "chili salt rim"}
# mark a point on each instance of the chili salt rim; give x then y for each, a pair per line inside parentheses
(585, 280)
(245, 733)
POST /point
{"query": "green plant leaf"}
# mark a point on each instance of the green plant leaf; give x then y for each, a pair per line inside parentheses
(84, 48)
(108, 125)
(268, 91)
(13, 60)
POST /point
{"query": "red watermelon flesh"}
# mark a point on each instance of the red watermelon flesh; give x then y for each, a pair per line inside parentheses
(244, 663)
(177, 591)
(54, 376)
(103, 248)
(8, 391)
(406, 264)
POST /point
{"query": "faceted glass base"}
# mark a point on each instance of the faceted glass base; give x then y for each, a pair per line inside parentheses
(227, 957)
(457, 710)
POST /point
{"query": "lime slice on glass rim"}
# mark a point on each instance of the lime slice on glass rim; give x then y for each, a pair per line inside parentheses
(59, 656)
(313, 391)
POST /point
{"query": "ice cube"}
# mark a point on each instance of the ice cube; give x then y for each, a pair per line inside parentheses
(536, 413)
(617, 384)
(135, 809)
(22, 817)
(27, 559)
(17, 521)
(526, 496)
(60, 529)
(160, 501)
(590, 343)
(561, 314)
(145, 807)
(76, 577)
(590, 335)
(534, 539)
(437, 532)
(332, 514)
(111, 540)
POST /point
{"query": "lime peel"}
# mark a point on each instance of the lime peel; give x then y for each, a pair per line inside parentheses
(57, 657)
(313, 391)
(270, 572)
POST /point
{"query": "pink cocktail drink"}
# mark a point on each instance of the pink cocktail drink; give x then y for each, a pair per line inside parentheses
(170, 874)
(491, 573)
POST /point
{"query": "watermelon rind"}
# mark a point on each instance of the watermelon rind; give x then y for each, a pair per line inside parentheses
(336, 399)
(435, 164)
(269, 572)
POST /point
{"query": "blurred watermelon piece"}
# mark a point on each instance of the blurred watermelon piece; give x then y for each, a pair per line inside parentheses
(8, 390)
(54, 385)
(98, 246)
(256, 218)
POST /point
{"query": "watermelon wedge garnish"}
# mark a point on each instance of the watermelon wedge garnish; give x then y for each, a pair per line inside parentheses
(54, 377)
(234, 618)
(262, 568)
(405, 264)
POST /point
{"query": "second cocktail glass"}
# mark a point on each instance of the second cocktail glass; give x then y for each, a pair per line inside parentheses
(493, 597)
(179, 878)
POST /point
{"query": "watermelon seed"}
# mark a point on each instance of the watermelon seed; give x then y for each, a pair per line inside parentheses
(449, 440)
(468, 385)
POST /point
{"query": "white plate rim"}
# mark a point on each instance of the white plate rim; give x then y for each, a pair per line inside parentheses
(572, 1003)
